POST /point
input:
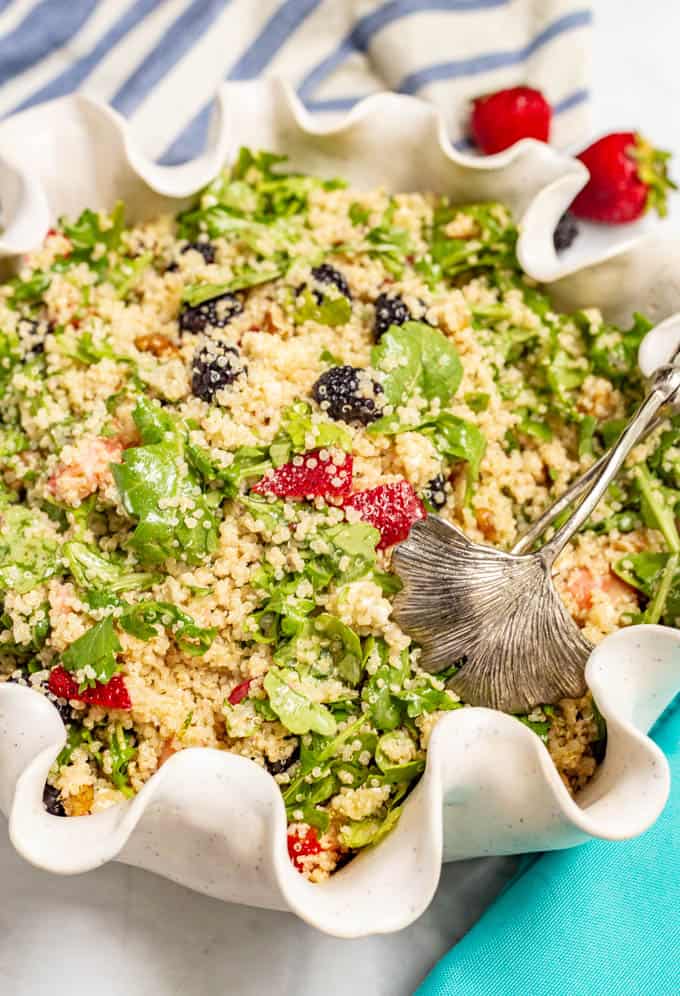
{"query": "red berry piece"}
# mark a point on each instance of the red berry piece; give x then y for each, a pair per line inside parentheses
(391, 508)
(113, 695)
(309, 475)
(627, 177)
(500, 119)
(300, 845)
(238, 694)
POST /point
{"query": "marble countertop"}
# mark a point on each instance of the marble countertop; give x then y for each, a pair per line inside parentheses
(122, 932)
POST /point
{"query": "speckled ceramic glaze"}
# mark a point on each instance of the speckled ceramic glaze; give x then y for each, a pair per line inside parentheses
(216, 822)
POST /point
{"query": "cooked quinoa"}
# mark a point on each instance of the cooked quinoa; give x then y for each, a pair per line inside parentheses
(214, 429)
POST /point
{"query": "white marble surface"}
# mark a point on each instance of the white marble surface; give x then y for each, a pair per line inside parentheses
(121, 932)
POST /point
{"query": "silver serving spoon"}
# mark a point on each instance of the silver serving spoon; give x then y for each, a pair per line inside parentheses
(499, 611)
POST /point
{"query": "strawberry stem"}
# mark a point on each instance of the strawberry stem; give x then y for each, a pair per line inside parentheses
(652, 167)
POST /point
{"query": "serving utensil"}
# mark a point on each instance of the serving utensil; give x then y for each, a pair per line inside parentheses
(499, 613)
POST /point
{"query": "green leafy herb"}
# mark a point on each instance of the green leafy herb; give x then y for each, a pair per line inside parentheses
(248, 462)
(157, 487)
(90, 569)
(123, 750)
(31, 290)
(300, 430)
(358, 214)
(195, 294)
(28, 549)
(143, 618)
(333, 311)
(457, 440)
(297, 713)
(415, 359)
(95, 649)
(658, 506)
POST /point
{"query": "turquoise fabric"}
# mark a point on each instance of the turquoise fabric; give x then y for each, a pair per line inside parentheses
(598, 920)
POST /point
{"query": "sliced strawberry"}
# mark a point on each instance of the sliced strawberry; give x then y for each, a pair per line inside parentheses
(113, 695)
(500, 119)
(627, 177)
(391, 508)
(309, 475)
(237, 694)
(300, 845)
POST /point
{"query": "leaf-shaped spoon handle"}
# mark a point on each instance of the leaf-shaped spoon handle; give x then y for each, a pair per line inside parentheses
(665, 387)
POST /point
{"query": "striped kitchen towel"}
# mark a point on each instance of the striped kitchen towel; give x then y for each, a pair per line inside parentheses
(159, 62)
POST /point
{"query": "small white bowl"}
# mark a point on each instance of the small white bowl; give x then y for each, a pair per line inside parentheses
(214, 821)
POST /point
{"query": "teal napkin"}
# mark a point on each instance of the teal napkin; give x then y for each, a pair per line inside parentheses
(598, 920)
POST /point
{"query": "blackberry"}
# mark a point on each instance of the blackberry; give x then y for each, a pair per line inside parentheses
(52, 801)
(214, 366)
(345, 394)
(278, 767)
(389, 311)
(32, 335)
(206, 249)
(327, 274)
(434, 492)
(215, 313)
(566, 232)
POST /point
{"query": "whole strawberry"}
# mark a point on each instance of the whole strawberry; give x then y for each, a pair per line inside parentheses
(627, 177)
(500, 119)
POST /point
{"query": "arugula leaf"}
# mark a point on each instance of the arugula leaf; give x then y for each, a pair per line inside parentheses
(297, 713)
(477, 401)
(422, 696)
(492, 246)
(157, 487)
(540, 727)
(248, 462)
(385, 710)
(10, 356)
(362, 833)
(613, 353)
(414, 358)
(393, 771)
(355, 541)
(271, 513)
(358, 214)
(123, 750)
(12, 442)
(92, 229)
(457, 439)
(389, 244)
(586, 430)
(76, 736)
(142, 620)
(345, 646)
(658, 506)
(332, 311)
(194, 294)
(301, 430)
(28, 550)
(31, 290)
(657, 576)
(90, 569)
(128, 273)
(153, 422)
(665, 461)
(96, 649)
(36, 640)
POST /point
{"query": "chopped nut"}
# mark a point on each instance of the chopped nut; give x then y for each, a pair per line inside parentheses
(157, 344)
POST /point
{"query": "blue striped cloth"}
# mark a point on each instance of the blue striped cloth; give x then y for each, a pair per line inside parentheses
(159, 62)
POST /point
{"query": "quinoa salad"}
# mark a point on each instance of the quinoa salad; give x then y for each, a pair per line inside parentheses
(215, 428)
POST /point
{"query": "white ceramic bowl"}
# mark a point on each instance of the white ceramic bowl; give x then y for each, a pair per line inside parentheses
(216, 822)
